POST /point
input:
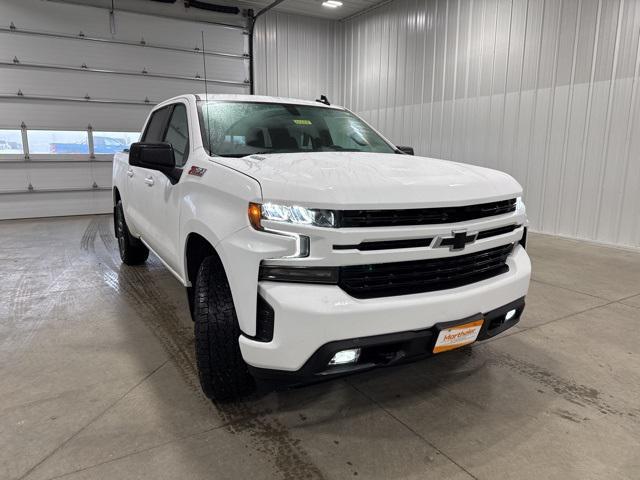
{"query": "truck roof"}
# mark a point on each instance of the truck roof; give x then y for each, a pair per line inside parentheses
(254, 98)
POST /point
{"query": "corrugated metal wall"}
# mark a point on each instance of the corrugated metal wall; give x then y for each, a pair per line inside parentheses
(543, 89)
(297, 57)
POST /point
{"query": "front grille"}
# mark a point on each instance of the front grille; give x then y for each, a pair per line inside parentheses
(423, 216)
(403, 278)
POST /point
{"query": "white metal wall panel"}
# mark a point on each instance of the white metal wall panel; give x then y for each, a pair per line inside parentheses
(48, 53)
(543, 89)
(296, 57)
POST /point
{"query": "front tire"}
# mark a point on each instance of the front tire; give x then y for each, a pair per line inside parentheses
(132, 250)
(223, 373)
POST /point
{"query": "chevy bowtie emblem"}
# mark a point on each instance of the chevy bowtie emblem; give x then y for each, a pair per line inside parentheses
(457, 241)
(197, 171)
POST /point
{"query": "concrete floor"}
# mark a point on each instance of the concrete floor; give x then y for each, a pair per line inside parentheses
(97, 380)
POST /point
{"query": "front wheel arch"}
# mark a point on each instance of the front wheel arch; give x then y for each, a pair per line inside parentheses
(197, 248)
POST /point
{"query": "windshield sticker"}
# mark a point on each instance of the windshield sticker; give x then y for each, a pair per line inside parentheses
(300, 121)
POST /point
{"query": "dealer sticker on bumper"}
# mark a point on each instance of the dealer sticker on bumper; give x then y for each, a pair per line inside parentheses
(457, 336)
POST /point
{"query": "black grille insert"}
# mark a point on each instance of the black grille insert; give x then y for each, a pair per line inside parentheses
(403, 278)
(494, 232)
(387, 244)
(423, 216)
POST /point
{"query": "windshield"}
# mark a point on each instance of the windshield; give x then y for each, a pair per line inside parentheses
(237, 129)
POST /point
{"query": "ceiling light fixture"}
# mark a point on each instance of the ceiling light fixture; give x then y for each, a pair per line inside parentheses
(332, 4)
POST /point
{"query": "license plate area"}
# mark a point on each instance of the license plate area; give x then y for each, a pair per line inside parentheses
(452, 335)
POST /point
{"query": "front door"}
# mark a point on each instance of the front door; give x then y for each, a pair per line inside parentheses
(138, 187)
(162, 198)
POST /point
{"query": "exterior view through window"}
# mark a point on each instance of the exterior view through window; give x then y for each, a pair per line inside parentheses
(238, 129)
(10, 142)
(58, 142)
(113, 142)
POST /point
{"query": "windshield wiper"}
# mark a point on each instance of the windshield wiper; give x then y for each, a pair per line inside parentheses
(240, 155)
(324, 148)
(338, 148)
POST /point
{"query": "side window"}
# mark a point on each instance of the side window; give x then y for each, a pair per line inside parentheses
(178, 134)
(155, 128)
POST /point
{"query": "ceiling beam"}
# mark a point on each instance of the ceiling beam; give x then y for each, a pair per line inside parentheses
(267, 8)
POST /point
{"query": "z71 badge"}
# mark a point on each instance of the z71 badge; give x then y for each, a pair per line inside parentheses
(197, 171)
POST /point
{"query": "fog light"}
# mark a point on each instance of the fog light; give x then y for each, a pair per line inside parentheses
(510, 314)
(345, 356)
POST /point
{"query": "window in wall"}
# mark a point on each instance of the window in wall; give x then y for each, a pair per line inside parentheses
(10, 142)
(113, 142)
(58, 142)
(178, 134)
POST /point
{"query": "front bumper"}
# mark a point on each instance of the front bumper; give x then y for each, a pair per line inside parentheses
(386, 350)
(307, 317)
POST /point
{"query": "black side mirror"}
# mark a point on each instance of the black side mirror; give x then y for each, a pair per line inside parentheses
(406, 150)
(155, 156)
(151, 155)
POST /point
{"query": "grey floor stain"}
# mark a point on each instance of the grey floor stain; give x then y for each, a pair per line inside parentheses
(571, 416)
(578, 394)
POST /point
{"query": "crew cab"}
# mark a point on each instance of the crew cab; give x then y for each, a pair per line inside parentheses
(309, 245)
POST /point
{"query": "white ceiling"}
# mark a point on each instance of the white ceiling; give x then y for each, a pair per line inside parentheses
(314, 7)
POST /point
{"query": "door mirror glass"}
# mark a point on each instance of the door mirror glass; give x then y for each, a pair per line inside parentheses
(406, 150)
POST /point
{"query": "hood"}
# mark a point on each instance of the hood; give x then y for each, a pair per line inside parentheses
(372, 180)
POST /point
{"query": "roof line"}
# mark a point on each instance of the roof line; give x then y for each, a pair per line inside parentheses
(365, 11)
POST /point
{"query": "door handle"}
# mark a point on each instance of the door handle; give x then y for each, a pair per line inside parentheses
(149, 181)
(130, 172)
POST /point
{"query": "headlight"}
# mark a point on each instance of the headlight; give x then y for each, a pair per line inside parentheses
(292, 214)
(520, 208)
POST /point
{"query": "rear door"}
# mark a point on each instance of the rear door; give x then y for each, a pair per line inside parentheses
(140, 180)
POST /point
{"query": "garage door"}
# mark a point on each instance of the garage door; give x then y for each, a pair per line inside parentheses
(77, 86)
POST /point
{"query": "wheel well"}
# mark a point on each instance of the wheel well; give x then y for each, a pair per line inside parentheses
(197, 249)
(116, 195)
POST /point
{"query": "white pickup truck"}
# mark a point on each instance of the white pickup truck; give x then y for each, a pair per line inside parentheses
(310, 246)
